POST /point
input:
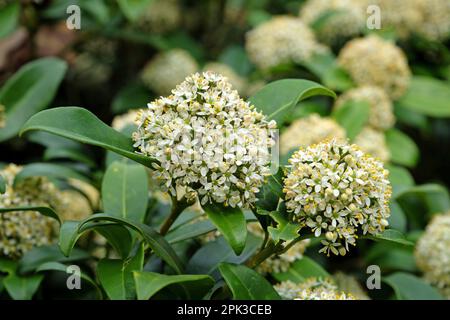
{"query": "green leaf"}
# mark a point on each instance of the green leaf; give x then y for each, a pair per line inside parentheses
(427, 96)
(300, 270)
(46, 211)
(38, 256)
(125, 191)
(28, 91)
(247, 284)
(191, 286)
(285, 230)
(132, 9)
(116, 276)
(390, 235)
(130, 97)
(409, 287)
(397, 220)
(352, 116)
(231, 223)
(71, 231)
(400, 179)
(48, 170)
(117, 236)
(9, 19)
(22, 288)
(277, 99)
(403, 149)
(271, 192)
(74, 154)
(2, 184)
(190, 231)
(434, 196)
(236, 57)
(97, 9)
(81, 125)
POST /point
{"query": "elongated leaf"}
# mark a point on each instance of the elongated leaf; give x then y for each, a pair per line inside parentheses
(125, 191)
(352, 116)
(427, 96)
(68, 153)
(246, 284)
(118, 236)
(403, 149)
(9, 18)
(397, 220)
(71, 231)
(277, 99)
(2, 184)
(46, 211)
(434, 196)
(132, 9)
(191, 286)
(409, 287)
(301, 270)
(21, 287)
(28, 91)
(81, 125)
(390, 235)
(400, 179)
(48, 170)
(231, 223)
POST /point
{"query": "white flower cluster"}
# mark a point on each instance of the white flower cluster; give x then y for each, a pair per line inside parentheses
(372, 61)
(20, 231)
(74, 206)
(373, 142)
(381, 116)
(167, 70)
(337, 191)
(312, 289)
(436, 19)
(281, 40)
(125, 120)
(310, 130)
(433, 253)
(239, 83)
(2, 116)
(161, 16)
(350, 284)
(208, 141)
(347, 18)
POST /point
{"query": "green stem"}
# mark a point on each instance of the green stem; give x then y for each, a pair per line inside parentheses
(177, 209)
(264, 254)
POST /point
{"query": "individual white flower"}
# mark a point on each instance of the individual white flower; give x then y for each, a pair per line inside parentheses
(168, 69)
(125, 120)
(373, 142)
(435, 19)
(312, 289)
(433, 253)
(161, 16)
(347, 19)
(372, 61)
(381, 114)
(2, 116)
(208, 142)
(281, 40)
(309, 130)
(337, 191)
(238, 82)
(20, 231)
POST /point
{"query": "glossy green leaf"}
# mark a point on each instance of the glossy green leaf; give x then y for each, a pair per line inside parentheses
(271, 192)
(191, 286)
(2, 184)
(300, 270)
(277, 99)
(117, 236)
(130, 97)
(397, 220)
(46, 211)
(22, 287)
(410, 287)
(28, 91)
(403, 149)
(81, 125)
(390, 235)
(352, 116)
(76, 155)
(125, 191)
(231, 223)
(428, 96)
(400, 179)
(132, 9)
(434, 196)
(236, 58)
(247, 284)
(9, 18)
(284, 230)
(48, 170)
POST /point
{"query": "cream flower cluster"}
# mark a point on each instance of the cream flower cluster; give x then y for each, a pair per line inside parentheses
(372, 61)
(125, 120)
(348, 18)
(433, 253)
(281, 40)
(167, 70)
(312, 289)
(20, 231)
(238, 82)
(310, 130)
(209, 142)
(74, 206)
(350, 284)
(436, 19)
(161, 16)
(2, 116)
(381, 114)
(337, 191)
(373, 142)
